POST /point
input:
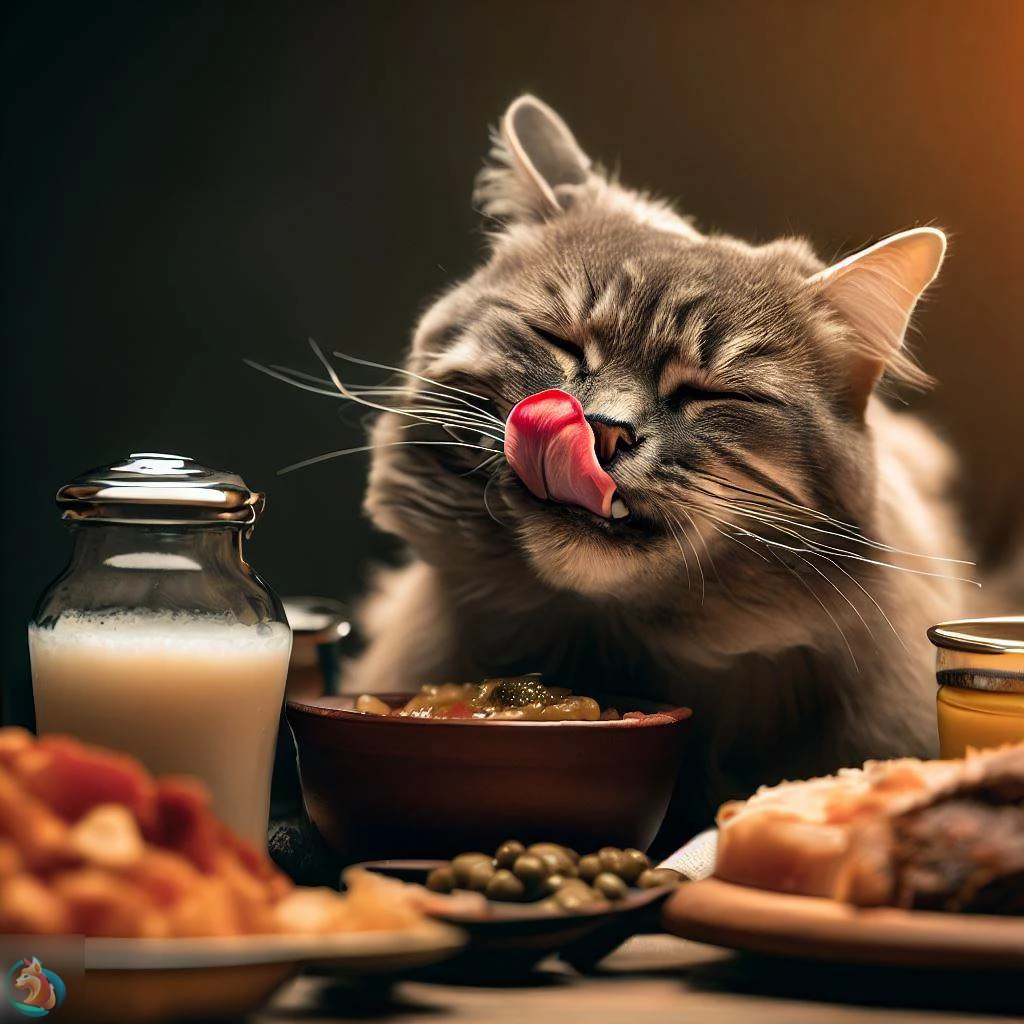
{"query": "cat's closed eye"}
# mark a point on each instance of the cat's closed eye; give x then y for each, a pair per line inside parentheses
(686, 394)
(570, 348)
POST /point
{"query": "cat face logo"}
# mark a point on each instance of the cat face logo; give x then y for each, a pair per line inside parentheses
(33, 990)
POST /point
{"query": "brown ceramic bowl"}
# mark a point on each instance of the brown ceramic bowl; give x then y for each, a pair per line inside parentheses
(379, 787)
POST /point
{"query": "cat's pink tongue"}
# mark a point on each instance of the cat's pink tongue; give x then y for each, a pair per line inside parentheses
(550, 445)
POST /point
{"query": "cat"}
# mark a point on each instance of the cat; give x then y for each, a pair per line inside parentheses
(779, 564)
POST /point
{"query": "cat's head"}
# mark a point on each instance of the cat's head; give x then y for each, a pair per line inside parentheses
(737, 378)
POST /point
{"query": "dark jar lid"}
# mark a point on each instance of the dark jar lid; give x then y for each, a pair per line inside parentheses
(159, 489)
(980, 654)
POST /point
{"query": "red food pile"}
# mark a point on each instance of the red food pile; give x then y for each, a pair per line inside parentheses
(91, 844)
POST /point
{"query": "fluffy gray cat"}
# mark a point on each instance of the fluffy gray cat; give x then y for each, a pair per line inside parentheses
(772, 561)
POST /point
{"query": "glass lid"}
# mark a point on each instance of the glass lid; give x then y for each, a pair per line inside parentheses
(152, 487)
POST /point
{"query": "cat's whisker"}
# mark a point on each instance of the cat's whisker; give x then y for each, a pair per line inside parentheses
(849, 531)
(490, 512)
(481, 465)
(824, 608)
(704, 544)
(728, 536)
(460, 406)
(342, 391)
(856, 582)
(679, 544)
(409, 373)
(322, 386)
(699, 510)
(309, 382)
(810, 546)
(696, 556)
(327, 456)
(283, 374)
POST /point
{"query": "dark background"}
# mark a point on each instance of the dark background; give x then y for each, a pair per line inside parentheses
(188, 184)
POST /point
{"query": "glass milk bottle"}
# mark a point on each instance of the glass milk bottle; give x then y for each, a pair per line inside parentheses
(158, 639)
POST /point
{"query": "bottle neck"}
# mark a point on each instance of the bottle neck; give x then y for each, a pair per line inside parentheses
(139, 546)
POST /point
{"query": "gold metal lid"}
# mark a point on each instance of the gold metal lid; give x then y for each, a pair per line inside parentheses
(980, 654)
(159, 489)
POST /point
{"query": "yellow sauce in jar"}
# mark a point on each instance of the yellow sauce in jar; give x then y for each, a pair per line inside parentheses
(980, 670)
(976, 718)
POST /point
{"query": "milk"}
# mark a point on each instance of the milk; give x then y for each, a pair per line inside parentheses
(183, 695)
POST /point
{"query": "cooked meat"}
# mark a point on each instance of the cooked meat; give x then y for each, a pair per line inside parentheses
(961, 854)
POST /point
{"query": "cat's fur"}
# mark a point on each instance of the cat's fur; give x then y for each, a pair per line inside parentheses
(786, 657)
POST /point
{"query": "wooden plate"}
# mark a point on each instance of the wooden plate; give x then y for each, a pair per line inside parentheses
(738, 917)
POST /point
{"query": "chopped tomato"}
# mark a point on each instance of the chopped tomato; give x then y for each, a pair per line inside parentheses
(460, 709)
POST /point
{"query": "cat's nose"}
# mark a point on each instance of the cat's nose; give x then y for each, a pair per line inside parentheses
(610, 437)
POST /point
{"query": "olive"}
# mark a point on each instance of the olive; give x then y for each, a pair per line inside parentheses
(441, 879)
(531, 869)
(611, 859)
(610, 886)
(507, 853)
(634, 864)
(572, 899)
(557, 860)
(503, 885)
(463, 864)
(576, 885)
(552, 884)
(654, 877)
(480, 875)
(589, 867)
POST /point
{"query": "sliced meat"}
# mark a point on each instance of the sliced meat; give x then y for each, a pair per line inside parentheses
(960, 855)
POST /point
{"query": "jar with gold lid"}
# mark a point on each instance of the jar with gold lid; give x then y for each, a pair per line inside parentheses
(980, 671)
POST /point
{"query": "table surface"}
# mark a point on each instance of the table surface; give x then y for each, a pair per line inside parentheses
(658, 978)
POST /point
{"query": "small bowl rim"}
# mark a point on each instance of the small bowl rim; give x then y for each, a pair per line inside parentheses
(666, 716)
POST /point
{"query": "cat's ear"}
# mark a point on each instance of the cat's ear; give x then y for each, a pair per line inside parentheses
(875, 291)
(535, 162)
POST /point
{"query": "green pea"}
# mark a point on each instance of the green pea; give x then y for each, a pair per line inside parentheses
(610, 886)
(531, 869)
(503, 885)
(463, 864)
(589, 867)
(634, 864)
(441, 879)
(507, 853)
(654, 877)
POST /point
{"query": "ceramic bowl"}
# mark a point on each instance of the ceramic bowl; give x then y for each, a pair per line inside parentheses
(381, 787)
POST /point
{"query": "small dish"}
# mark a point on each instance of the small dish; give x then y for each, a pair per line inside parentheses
(145, 981)
(378, 786)
(511, 937)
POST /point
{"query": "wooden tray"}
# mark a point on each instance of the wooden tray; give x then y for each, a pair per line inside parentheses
(738, 917)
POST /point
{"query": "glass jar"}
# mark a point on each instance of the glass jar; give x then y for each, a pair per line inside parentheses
(980, 671)
(158, 639)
